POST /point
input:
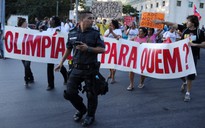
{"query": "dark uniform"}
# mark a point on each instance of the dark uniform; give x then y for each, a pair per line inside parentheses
(84, 66)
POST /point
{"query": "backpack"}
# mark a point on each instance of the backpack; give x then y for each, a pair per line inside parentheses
(101, 84)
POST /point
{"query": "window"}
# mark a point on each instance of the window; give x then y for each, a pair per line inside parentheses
(146, 6)
(157, 4)
(179, 3)
(201, 5)
(151, 6)
(163, 3)
(190, 4)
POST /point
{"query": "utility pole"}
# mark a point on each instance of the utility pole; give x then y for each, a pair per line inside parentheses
(71, 4)
(76, 18)
(2, 13)
(2, 21)
(57, 2)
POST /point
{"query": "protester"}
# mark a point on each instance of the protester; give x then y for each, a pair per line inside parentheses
(141, 38)
(95, 26)
(68, 25)
(203, 28)
(152, 36)
(146, 36)
(113, 32)
(103, 27)
(197, 36)
(44, 25)
(132, 31)
(171, 35)
(28, 73)
(55, 26)
(85, 54)
(38, 22)
(124, 31)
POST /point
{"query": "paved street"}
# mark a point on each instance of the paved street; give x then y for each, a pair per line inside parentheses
(159, 105)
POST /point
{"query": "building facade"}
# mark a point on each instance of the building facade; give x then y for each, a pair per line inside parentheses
(175, 10)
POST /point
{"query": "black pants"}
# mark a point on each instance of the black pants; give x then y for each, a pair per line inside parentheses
(72, 91)
(28, 73)
(50, 74)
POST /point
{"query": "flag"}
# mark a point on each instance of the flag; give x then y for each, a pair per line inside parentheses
(196, 13)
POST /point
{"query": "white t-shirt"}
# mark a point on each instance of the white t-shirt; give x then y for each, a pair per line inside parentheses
(173, 36)
(67, 27)
(116, 31)
(53, 30)
(132, 33)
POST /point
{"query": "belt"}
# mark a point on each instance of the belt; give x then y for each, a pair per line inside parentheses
(84, 66)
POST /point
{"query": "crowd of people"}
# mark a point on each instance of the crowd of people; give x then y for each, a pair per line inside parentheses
(174, 33)
(84, 63)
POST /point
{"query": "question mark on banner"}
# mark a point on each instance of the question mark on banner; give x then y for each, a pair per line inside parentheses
(186, 49)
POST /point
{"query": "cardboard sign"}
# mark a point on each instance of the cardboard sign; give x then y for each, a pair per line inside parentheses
(128, 20)
(148, 17)
(107, 9)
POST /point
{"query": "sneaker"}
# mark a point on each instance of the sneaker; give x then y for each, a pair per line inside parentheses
(26, 83)
(49, 88)
(31, 81)
(88, 121)
(183, 87)
(141, 86)
(187, 97)
(78, 116)
(112, 82)
(130, 88)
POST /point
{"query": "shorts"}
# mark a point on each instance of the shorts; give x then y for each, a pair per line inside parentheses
(193, 76)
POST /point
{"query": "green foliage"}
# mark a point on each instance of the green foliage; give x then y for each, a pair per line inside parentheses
(127, 9)
(39, 8)
(43, 8)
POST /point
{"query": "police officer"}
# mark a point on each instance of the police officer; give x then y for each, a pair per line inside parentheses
(86, 44)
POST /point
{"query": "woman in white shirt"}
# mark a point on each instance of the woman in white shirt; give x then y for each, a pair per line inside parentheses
(171, 34)
(28, 75)
(114, 31)
(55, 26)
(132, 31)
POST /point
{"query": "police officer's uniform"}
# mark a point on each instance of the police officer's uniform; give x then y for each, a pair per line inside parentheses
(84, 66)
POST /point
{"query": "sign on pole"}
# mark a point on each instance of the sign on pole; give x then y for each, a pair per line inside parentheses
(2, 13)
(128, 20)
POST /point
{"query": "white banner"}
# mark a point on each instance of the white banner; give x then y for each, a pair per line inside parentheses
(163, 61)
(33, 45)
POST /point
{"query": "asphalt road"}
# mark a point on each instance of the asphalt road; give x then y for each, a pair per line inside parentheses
(158, 105)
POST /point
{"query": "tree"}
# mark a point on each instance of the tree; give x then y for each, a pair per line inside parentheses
(37, 8)
(127, 9)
